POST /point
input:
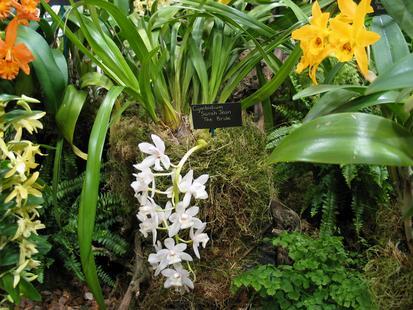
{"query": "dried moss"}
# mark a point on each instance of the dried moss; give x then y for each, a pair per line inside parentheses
(389, 270)
(390, 276)
(240, 189)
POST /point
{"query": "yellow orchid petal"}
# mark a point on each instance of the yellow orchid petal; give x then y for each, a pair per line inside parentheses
(362, 60)
(347, 8)
(366, 38)
(304, 33)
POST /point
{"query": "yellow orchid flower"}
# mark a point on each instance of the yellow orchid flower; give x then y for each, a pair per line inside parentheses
(30, 123)
(348, 10)
(313, 41)
(21, 160)
(3, 147)
(17, 272)
(25, 227)
(348, 40)
(27, 249)
(17, 164)
(22, 191)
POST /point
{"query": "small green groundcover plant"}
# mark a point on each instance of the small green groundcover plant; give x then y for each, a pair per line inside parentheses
(319, 277)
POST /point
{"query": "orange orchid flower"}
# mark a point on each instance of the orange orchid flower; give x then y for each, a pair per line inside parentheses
(13, 57)
(5, 6)
(26, 10)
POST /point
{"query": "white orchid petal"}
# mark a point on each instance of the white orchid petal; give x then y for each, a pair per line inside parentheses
(160, 145)
(147, 162)
(202, 179)
(188, 282)
(168, 272)
(180, 247)
(195, 247)
(166, 162)
(197, 222)
(173, 229)
(201, 195)
(147, 148)
(186, 256)
(192, 211)
(169, 243)
(187, 200)
(189, 176)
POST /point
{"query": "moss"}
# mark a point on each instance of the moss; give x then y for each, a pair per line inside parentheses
(389, 269)
(389, 272)
(240, 189)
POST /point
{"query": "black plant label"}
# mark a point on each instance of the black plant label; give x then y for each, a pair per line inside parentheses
(217, 115)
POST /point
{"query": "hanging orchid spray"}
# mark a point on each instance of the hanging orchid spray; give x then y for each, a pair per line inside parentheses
(178, 217)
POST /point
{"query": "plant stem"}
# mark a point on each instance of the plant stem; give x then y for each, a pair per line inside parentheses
(175, 193)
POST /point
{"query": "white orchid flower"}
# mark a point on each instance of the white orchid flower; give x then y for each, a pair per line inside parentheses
(178, 278)
(183, 219)
(141, 184)
(173, 254)
(148, 224)
(155, 258)
(148, 207)
(163, 214)
(198, 237)
(191, 187)
(156, 156)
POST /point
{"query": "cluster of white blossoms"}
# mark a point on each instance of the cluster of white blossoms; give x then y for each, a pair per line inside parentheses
(177, 217)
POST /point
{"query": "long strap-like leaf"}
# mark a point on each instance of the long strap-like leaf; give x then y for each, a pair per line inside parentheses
(90, 190)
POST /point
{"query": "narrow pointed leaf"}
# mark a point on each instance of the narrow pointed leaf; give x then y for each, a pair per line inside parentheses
(329, 102)
(270, 87)
(348, 138)
(90, 191)
(323, 88)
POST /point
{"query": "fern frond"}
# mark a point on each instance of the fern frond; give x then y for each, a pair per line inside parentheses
(358, 209)
(275, 137)
(328, 219)
(104, 277)
(288, 113)
(349, 172)
(114, 243)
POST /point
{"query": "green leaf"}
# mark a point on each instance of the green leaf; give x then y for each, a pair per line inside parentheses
(402, 12)
(329, 102)
(61, 64)
(9, 256)
(123, 6)
(200, 68)
(50, 75)
(271, 86)
(90, 190)
(367, 101)
(323, 88)
(392, 45)
(228, 12)
(348, 138)
(95, 79)
(68, 114)
(28, 290)
(398, 76)
(6, 282)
